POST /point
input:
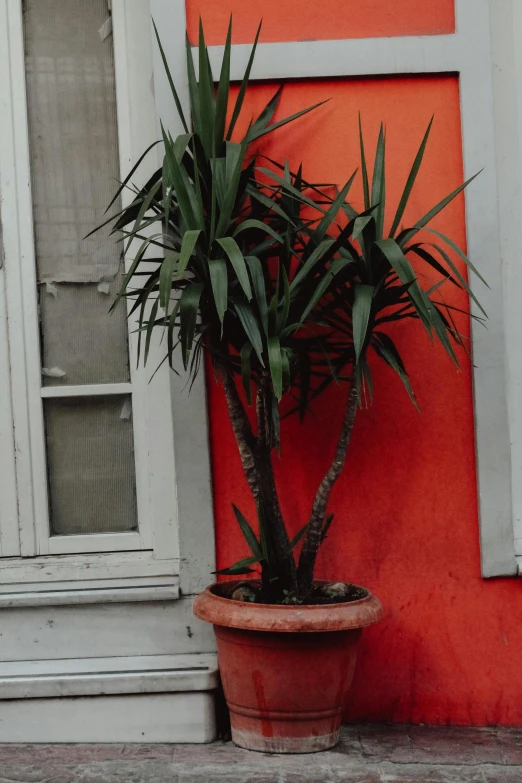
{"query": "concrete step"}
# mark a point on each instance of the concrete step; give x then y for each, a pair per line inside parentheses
(152, 698)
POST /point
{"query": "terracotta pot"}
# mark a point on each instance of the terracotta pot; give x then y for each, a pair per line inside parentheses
(286, 670)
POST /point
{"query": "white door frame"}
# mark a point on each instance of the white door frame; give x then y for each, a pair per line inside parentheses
(171, 433)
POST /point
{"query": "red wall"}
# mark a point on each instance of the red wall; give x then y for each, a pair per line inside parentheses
(406, 506)
(311, 20)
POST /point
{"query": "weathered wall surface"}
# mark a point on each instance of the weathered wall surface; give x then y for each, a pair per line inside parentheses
(310, 20)
(406, 506)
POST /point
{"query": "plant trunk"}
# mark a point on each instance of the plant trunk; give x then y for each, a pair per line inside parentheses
(256, 459)
(315, 526)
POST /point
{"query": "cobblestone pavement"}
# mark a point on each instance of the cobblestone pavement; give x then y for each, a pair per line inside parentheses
(366, 754)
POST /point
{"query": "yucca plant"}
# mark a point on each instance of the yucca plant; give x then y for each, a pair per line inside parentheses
(285, 285)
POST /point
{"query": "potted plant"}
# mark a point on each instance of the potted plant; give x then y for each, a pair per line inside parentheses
(286, 288)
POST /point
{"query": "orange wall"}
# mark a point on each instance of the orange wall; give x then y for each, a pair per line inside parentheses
(406, 506)
(310, 20)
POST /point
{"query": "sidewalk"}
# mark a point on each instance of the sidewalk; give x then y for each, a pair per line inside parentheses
(366, 754)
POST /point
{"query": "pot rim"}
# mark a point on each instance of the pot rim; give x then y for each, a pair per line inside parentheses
(285, 618)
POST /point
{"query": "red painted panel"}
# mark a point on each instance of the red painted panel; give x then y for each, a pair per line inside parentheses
(312, 20)
(406, 506)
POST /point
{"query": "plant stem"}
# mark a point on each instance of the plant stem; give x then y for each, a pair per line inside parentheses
(256, 459)
(245, 439)
(312, 540)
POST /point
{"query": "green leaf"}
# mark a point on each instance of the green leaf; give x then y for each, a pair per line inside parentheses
(193, 90)
(132, 269)
(258, 283)
(310, 262)
(241, 567)
(244, 84)
(459, 277)
(331, 213)
(222, 93)
(276, 365)
(250, 536)
(232, 158)
(322, 286)
(246, 375)
(283, 318)
(408, 233)
(180, 144)
(273, 306)
(456, 249)
(379, 183)
(168, 189)
(286, 355)
(188, 311)
(290, 189)
(150, 325)
(360, 223)
(235, 256)
(386, 349)
(276, 423)
(256, 194)
(249, 324)
(219, 179)
(363, 382)
(219, 282)
(237, 154)
(266, 115)
(129, 175)
(206, 96)
(144, 207)
(187, 246)
(296, 539)
(364, 169)
(406, 275)
(429, 259)
(175, 176)
(362, 305)
(253, 223)
(171, 82)
(410, 181)
(252, 137)
(165, 279)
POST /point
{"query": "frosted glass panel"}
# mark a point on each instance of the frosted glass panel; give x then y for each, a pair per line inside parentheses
(91, 471)
(74, 166)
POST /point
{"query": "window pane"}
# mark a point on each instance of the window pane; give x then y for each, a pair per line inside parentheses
(74, 162)
(91, 469)
(79, 331)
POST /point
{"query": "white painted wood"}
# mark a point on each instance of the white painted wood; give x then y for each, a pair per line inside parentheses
(152, 415)
(160, 717)
(9, 540)
(102, 630)
(489, 348)
(92, 390)
(95, 542)
(80, 585)
(88, 569)
(94, 676)
(354, 57)
(18, 259)
(193, 477)
(95, 595)
(169, 18)
(506, 22)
